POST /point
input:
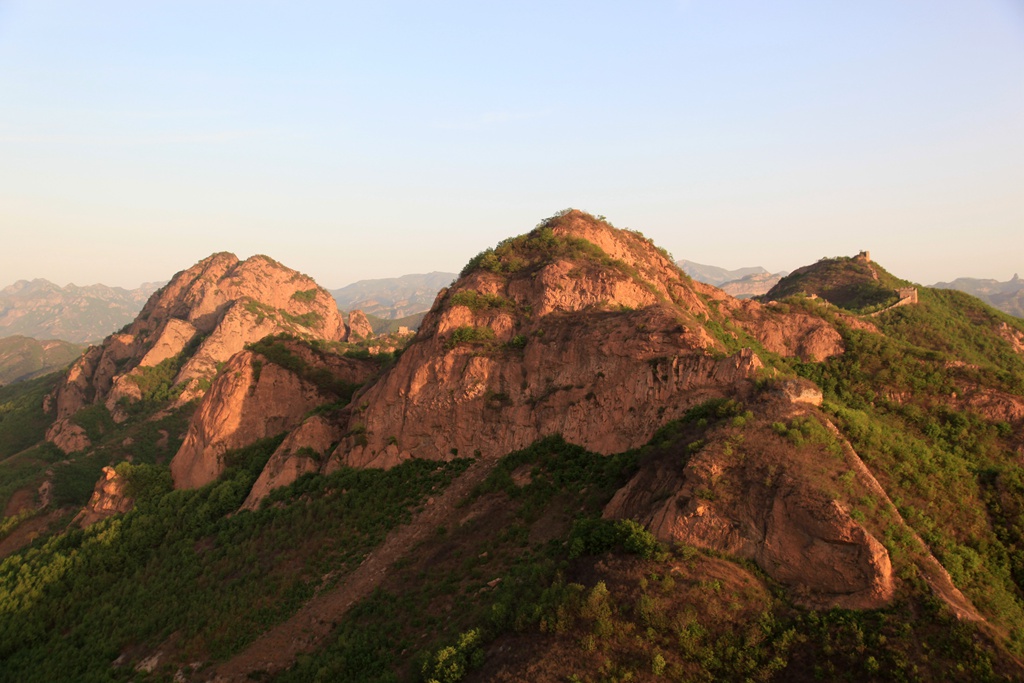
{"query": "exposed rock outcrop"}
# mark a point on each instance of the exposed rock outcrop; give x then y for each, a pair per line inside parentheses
(1012, 336)
(255, 397)
(577, 328)
(202, 317)
(249, 401)
(303, 451)
(761, 497)
(108, 498)
(359, 327)
(67, 436)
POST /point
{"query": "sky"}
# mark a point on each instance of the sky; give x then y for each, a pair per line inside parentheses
(374, 139)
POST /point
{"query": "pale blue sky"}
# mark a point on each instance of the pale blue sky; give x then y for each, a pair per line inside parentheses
(373, 139)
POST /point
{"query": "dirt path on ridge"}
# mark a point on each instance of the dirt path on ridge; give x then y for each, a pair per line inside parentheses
(278, 647)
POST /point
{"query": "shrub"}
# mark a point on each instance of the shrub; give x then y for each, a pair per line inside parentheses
(517, 342)
(144, 481)
(310, 319)
(467, 334)
(475, 301)
(595, 536)
(95, 420)
(450, 664)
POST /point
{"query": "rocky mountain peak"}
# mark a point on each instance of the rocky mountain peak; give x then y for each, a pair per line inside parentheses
(576, 328)
(202, 317)
(856, 284)
(574, 261)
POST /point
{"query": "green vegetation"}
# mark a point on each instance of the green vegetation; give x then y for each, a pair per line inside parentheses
(26, 470)
(528, 565)
(145, 440)
(23, 426)
(950, 470)
(451, 664)
(537, 247)
(157, 383)
(407, 614)
(475, 301)
(144, 482)
(22, 420)
(74, 481)
(540, 247)
(177, 564)
(960, 328)
(845, 282)
(305, 296)
(467, 334)
(95, 419)
(310, 319)
(1008, 296)
(535, 571)
(276, 349)
(263, 311)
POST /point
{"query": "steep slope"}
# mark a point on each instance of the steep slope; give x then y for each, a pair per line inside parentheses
(200, 319)
(757, 475)
(576, 328)
(777, 484)
(264, 391)
(22, 358)
(42, 310)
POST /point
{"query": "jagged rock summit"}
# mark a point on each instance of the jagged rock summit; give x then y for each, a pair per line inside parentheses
(201, 318)
(577, 328)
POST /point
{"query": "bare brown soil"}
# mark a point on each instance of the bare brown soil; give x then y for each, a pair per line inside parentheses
(27, 531)
(23, 499)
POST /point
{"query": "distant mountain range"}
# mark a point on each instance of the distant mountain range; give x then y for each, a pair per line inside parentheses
(22, 358)
(715, 275)
(395, 297)
(1006, 296)
(741, 283)
(43, 310)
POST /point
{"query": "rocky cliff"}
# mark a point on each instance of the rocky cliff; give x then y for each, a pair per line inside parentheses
(262, 393)
(358, 326)
(202, 317)
(109, 497)
(756, 493)
(576, 328)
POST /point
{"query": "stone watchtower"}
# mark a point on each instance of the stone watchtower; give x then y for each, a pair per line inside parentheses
(908, 295)
(864, 256)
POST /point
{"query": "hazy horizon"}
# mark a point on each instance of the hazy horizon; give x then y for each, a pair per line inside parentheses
(455, 272)
(363, 141)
